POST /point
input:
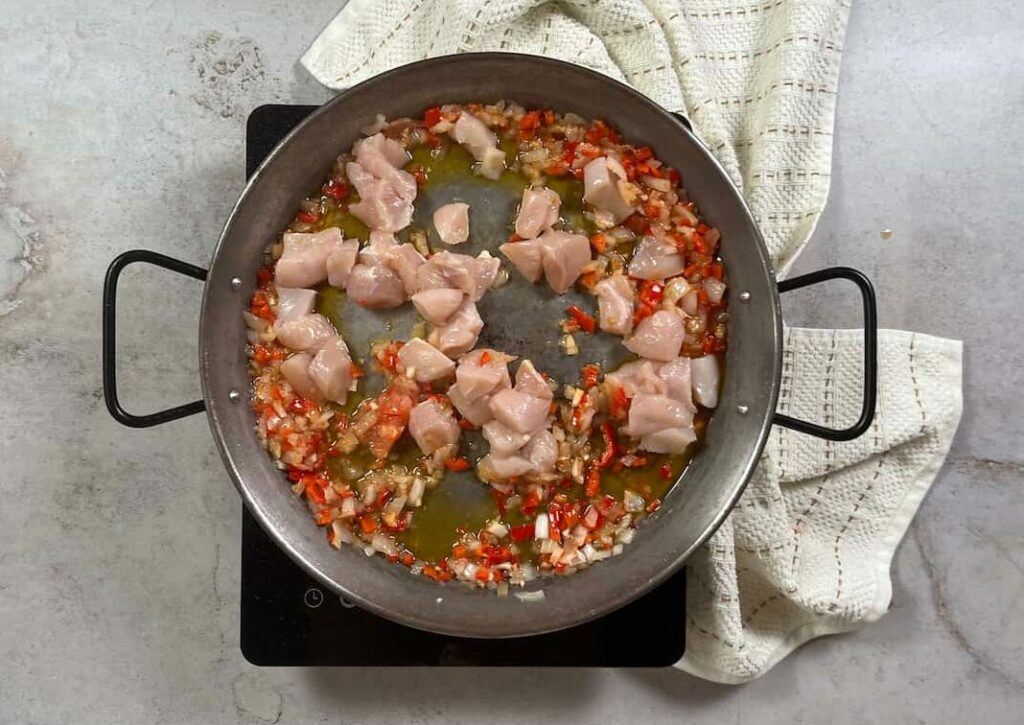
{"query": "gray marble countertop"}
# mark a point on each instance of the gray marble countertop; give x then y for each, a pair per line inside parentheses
(121, 126)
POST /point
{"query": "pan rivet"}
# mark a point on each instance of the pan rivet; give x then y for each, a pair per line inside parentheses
(234, 396)
(236, 282)
(744, 296)
(742, 409)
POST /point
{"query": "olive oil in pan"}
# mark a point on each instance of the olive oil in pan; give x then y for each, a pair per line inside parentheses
(460, 502)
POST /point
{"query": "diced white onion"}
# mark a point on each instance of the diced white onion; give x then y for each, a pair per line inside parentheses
(370, 494)
(419, 485)
(528, 157)
(690, 302)
(253, 322)
(498, 529)
(384, 544)
(395, 505)
(555, 555)
(341, 534)
(548, 546)
(657, 184)
(634, 502)
(676, 289)
(536, 596)
(540, 527)
(379, 124)
(715, 289)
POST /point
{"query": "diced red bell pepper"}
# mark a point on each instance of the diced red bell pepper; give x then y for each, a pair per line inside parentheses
(335, 189)
(457, 464)
(521, 533)
(618, 404)
(587, 323)
(432, 117)
(610, 445)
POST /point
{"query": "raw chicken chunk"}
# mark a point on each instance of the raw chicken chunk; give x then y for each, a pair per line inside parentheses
(392, 150)
(485, 271)
(361, 179)
(519, 411)
(423, 362)
(432, 425)
(296, 371)
(496, 468)
(676, 374)
(563, 256)
(405, 261)
(602, 180)
(379, 247)
(476, 380)
(477, 411)
(473, 134)
(452, 223)
(704, 377)
(652, 413)
(373, 160)
(492, 164)
(381, 204)
(437, 305)
(658, 337)
(375, 286)
(503, 440)
(448, 270)
(670, 440)
(639, 376)
(294, 303)
(525, 256)
(303, 261)
(460, 332)
(331, 370)
(542, 451)
(310, 332)
(655, 259)
(615, 304)
(531, 382)
(341, 261)
(538, 211)
(479, 377)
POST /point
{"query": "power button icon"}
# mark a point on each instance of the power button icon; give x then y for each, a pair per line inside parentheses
(313, 597)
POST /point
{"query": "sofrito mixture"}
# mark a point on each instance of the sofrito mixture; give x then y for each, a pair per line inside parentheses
(572, 466)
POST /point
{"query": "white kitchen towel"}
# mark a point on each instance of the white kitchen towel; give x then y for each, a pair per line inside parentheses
(807, 550)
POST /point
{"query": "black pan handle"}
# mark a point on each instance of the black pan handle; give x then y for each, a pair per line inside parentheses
(110, 338)
(867, 413)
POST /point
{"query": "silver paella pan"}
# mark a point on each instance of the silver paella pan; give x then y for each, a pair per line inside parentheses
(706, 490)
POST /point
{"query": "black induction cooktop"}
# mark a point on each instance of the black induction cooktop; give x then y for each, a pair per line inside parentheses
(288, 619)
